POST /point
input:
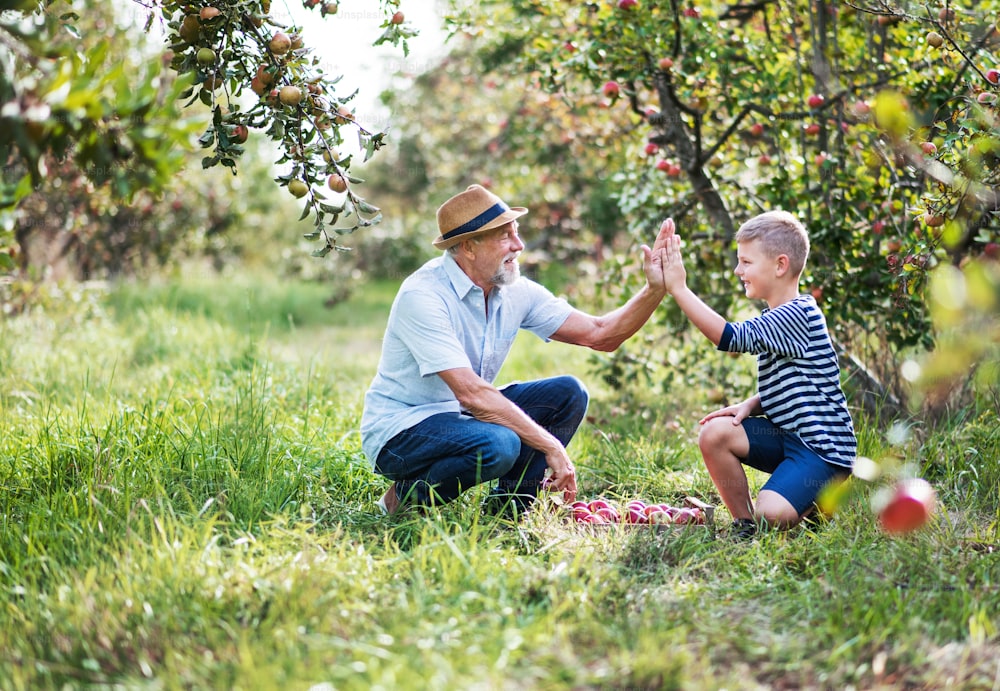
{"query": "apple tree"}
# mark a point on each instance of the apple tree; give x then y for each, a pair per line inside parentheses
(231, 71)
(875, 123)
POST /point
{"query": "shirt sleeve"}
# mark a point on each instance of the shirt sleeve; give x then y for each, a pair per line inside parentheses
(547, 312)
(783, 331)
(424, 327)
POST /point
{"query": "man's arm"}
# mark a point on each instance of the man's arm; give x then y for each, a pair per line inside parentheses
(708, 321)
(608, 332)
(486, 403)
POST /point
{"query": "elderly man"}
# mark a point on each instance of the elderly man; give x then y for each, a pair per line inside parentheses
(434, 423)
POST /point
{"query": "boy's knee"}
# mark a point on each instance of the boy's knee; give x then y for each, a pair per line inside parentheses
(776, 511)
(716, 432)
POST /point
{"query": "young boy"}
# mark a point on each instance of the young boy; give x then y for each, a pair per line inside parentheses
(797, 427)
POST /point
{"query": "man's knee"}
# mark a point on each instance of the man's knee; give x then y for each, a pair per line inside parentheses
(499, 456)
(573, 391)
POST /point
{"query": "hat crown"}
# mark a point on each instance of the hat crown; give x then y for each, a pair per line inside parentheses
(466, 207)
(472, 212)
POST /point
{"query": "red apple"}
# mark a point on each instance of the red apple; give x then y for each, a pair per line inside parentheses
(651, 148)
(861, 109)
(688, 516)
(929, 148)
(692, 12)
(337, 183)
(756, 129)
(674, 170)
(993, 76)
(991, 250)
(910, 507)
(398, 18)
(280, 43)
(764, 160)
(596, 504)
(651, 509)
(816, 100)
(580, 515)
(878, 226)
(627, 4)
(660, 518)
(665, 64)
(609, 514)
(812, 129)
(611, 89)
(663, 165)
(986, 97)
(635, 515)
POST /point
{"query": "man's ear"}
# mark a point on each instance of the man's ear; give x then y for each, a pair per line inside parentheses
(466, 248)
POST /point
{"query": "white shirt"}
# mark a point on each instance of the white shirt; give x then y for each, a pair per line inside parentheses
(438, 321)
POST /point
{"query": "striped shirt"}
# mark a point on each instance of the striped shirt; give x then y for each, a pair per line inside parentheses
(798, 376)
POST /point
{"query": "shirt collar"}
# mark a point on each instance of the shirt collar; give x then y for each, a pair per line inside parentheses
(460, 282)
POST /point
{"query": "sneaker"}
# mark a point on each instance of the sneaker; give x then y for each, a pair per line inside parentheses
(389, 503)
(743, 529)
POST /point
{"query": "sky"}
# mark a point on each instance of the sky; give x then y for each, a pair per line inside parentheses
(343, 42)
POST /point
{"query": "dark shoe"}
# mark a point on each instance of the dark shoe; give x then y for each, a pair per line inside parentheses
(389, 503)
(743, 529)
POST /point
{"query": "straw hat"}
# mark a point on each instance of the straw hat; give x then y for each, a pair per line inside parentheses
(470, 213)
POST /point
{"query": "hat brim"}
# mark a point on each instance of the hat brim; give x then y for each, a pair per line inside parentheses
(506, 217)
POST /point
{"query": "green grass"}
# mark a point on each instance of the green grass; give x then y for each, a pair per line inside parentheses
(184, 504)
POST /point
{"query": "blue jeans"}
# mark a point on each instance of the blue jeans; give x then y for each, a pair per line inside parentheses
(438, 458)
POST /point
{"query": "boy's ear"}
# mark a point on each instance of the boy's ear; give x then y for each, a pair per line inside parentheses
(782, 265)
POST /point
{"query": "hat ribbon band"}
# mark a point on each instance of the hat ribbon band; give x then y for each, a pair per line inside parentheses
(477, 222)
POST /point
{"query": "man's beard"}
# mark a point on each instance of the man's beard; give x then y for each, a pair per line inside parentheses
(507, 273)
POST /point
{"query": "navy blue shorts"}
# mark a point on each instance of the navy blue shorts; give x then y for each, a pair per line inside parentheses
(797, 472)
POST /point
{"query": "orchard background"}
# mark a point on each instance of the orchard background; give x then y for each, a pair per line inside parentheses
(180, 177)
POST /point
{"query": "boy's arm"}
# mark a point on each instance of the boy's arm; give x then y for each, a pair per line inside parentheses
(708, 321)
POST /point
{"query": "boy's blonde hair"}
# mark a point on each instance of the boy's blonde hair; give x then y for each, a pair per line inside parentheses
(779, 232)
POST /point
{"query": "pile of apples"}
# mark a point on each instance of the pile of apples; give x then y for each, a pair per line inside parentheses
(636, 512)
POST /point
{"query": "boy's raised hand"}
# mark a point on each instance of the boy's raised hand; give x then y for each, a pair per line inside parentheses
(674, 275)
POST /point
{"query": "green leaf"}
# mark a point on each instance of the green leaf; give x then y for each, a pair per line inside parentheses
(323, 251)
(365, 207)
